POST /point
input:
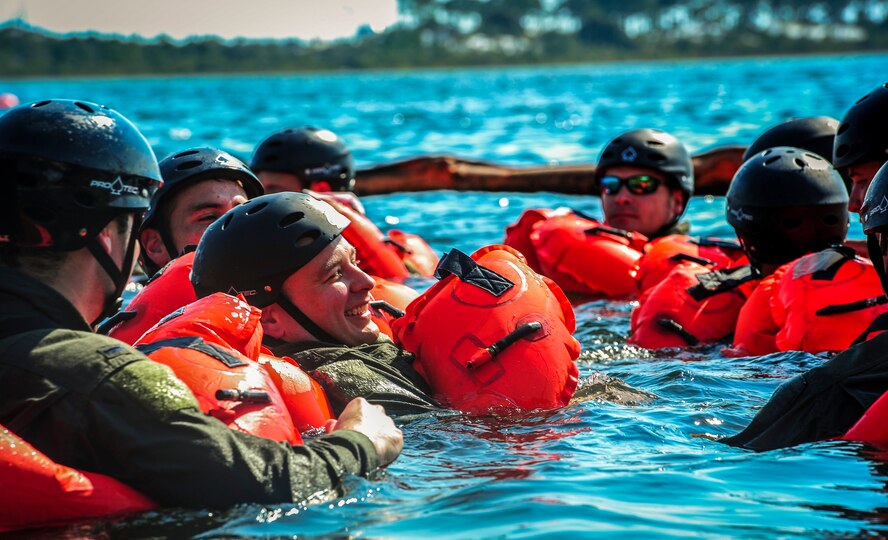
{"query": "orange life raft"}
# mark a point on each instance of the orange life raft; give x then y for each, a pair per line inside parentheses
(35, 491)
(663, 254)
(820, 302)
(872, 427)
(214, 346)
(165, 292)
(492, 334)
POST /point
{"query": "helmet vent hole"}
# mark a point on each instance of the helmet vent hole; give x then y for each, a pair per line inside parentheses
(41, 104)
(813, 156)
(861, 99)
(654, 143)
(800, 162)
(290, 219)
(85, 107)
(307, 239)
(227, 221)
(772, 159)
(657, 157)
(185, 153)
(188, 165)
(767, 152)
(256, 209)
(791, 223)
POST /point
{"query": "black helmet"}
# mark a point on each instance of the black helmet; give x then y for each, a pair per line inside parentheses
(313, 155)
(862, 134)
(874, 218)
(253, 248)
(786, 202)
(812, 133)
(197, 164)
(73, 166)
(652, 149)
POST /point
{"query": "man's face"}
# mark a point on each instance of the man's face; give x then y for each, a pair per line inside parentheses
(191, 211)
(861, 175)
(335, 294)
(276, 182)
(644, 213)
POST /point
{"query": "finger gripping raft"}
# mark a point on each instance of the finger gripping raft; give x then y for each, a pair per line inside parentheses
(492, 334)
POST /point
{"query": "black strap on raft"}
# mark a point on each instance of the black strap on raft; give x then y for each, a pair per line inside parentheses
(823, 265)
(719, 281)
(457, 263)
(521, 332)
(195, 344)
(681, 257)
(671, 325)
(244, 396)
(399, 245)
(114, 320)
(382, 305)
(715, 242)
(599, 229)
(852, 306)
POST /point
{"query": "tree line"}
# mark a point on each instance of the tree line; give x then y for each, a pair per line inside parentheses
(437, 33)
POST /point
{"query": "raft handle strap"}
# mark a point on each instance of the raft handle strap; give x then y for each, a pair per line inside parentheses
(488, 354)
(609, 230)
(398, 245)
(852, 306)
(114, 320)
(244, 396)
(681, 257)
(382, 305)
(456, 263)
(673, 326)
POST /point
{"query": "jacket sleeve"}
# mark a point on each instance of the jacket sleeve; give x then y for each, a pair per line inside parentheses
(149, 433)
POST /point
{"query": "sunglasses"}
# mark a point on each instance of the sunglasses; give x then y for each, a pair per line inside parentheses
(639, 185)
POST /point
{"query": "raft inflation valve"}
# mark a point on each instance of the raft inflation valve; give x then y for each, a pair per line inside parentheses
(486, 355)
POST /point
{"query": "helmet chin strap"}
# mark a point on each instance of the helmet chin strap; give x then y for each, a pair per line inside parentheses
(119, 276)
(309, 325)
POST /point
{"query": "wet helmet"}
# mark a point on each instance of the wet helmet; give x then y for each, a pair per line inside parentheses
(813, 133)
(194, 165)
(315, 156)
(72, 166)
(253, 248)
(785, 202)
(862, 135)
(874, 218)
(652, 149)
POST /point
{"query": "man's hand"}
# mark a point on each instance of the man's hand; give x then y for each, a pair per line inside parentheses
(359, 415)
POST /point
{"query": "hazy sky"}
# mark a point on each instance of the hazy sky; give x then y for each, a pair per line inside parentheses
(305, 19)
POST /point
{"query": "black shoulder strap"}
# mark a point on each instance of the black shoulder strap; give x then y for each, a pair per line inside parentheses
(823, 265)
(719, 281)
(196, 344)
(465, 268)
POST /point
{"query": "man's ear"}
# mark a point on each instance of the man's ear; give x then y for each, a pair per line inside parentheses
(678, 202)
(153, 247)
(272, 320)
(104, 236)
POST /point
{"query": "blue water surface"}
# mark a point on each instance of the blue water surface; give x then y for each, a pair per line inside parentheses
(595, 468)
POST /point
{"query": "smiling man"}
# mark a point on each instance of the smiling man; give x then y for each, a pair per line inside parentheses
(285, 253)
(646, 179)
(200, 184)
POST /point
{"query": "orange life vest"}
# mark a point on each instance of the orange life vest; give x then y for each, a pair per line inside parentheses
(663, 254)
(417, 254)
(694, 304)
(819, 302)
(390, 299)
(35, 491)
(518, 234)
(166, 292)
(492, 334)
(213, 345)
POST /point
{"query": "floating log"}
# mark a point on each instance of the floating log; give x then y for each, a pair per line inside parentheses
(713, 171)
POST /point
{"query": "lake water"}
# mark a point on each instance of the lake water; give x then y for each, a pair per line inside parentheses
(595, 468)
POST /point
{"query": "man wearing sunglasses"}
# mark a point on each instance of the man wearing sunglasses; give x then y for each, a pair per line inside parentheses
(646, 179)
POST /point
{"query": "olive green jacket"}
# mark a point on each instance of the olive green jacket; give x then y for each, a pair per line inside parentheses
(94, 403)
(380, 372)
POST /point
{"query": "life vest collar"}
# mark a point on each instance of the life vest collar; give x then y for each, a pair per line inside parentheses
(457, 263)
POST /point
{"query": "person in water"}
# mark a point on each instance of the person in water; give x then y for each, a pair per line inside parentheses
(294, 159)
(646, 178)
(79, 176)
(199, 185)
(285, 254)
(861, 144)
(824, 402)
